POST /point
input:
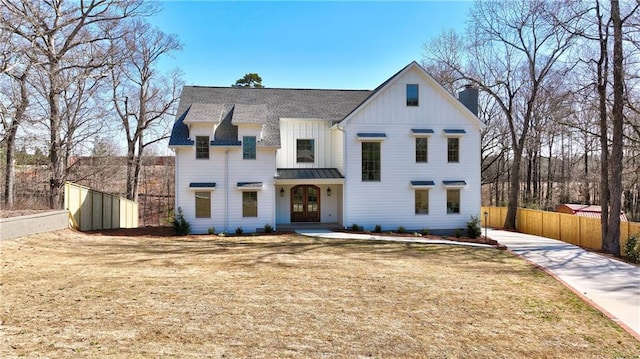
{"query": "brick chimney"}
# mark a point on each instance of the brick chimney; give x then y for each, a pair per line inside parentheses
(469, 98)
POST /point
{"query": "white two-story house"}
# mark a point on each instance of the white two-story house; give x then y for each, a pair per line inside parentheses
(405, 154)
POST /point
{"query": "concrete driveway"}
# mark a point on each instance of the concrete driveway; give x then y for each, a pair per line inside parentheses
(610, 284)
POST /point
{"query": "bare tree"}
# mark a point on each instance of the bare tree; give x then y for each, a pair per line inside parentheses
(143, 98)
(67, 39)
(509, 51)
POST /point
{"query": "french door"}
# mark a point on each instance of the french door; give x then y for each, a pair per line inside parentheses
(305, 203)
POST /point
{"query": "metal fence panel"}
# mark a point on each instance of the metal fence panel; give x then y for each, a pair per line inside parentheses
(94, 210)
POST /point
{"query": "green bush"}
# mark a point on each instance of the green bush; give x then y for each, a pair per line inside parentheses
(355, 227)
(401, 229)
(268, 228)
(180, 225)
(458, 232)
(211, 230)
(239, 230)
(632, 248)
(425, 231)
(473, 227)
(377, 228)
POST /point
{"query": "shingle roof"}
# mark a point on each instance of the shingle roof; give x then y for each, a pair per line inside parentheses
(271, 104)
(205, 112)
(180, 133)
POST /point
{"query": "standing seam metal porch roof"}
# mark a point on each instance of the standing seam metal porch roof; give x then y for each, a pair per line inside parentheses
(308, 173)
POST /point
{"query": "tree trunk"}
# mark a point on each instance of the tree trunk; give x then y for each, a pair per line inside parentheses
(131, 164)
(9, 178)
(514, 190)
(56, 152)
(611, 243)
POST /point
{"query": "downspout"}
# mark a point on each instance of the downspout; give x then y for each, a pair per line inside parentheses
(226, 190)
(344, 169)
(176, 184)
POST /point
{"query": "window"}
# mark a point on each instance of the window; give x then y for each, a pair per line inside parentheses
(453, 149)
(250, 204)
(249, 147)
(202, 147)
(453, 201)
(412, 95)
(371, 161)
(203, 204)
(305, 152)
(422, 201)
(421, 149)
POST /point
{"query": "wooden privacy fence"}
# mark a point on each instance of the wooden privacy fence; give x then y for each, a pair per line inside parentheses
(94, 210)
(577, 230)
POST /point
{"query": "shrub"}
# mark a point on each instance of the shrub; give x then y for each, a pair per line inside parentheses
(377, 228)
(355, 227)
(180, 225)
(425, 231)
(400, 229)
(211, 230)
(239, 230)
(632, 248)
(268, 228)
(473, 227)
(458, 232)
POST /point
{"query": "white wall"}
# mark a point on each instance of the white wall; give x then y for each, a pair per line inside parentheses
(223, 218)
(390, 202)
(294, 129)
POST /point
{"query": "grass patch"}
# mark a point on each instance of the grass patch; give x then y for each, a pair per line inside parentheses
(66, 293)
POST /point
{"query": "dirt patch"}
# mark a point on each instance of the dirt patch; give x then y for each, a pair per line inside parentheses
(69, 294)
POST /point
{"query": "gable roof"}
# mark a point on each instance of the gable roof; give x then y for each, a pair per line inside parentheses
(231, 106)
(264, 106)
(414, 65)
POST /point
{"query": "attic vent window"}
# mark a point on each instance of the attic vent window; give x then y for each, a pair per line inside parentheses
(412, 95)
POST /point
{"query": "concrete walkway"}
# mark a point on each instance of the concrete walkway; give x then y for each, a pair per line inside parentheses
(323, 233)
(612, 285)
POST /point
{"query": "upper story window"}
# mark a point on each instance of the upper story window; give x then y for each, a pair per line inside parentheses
(371, 161)
(249, 147)
(305, 151)
(412, 95)
(202, 147)
(453, 149)
(422, 145)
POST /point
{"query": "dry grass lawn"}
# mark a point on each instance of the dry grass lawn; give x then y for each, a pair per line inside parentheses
(68, 294)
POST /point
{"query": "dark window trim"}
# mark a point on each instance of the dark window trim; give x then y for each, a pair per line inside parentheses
(371, 167)
(422, 154)
(413, 101)
(249, 156)
(202, 147)
(313, 151)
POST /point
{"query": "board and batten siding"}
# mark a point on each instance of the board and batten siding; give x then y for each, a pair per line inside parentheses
(226, 198)
(391, 201)
(292, 130)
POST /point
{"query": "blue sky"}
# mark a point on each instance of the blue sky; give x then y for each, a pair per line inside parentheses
(329, 45)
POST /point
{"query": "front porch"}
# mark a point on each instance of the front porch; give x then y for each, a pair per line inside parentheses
(309, 198)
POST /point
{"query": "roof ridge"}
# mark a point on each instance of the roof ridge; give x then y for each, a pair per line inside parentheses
(274, 88)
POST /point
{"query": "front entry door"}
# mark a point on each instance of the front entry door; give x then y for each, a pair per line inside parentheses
(305, 204)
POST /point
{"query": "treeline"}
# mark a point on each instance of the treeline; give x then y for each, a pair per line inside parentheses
(78, 72)
(559, 91)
